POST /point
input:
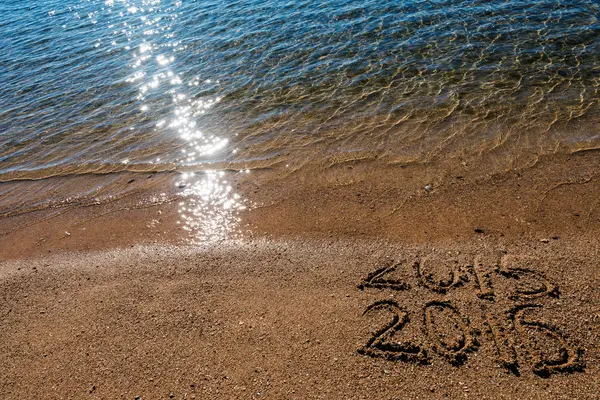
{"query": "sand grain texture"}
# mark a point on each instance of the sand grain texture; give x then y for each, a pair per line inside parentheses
(284, 319)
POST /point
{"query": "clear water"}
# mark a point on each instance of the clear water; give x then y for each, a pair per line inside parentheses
(100, 86)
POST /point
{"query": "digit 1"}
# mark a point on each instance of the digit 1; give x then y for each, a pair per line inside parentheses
(505, 348)
(483, 283)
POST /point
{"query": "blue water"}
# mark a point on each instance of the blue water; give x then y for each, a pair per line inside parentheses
(148, 84)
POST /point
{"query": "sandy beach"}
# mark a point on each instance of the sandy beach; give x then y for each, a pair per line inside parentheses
(355, 283)
(348, 199)
(287, 319)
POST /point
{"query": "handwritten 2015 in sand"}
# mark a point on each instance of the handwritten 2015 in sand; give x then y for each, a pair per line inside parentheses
(447, 332)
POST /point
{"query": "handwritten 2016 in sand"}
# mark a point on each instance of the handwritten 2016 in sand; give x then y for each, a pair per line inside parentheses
(447, 332)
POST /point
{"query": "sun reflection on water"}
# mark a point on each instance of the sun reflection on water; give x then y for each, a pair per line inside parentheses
(209, 209)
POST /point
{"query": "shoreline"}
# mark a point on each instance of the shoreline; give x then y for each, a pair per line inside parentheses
(415, 203)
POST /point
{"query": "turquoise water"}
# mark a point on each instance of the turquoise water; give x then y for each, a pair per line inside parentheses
(153, 85)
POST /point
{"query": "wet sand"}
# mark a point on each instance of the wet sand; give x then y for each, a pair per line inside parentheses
(354, 282)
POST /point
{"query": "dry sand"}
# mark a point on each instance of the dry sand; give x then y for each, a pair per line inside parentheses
(357, 284)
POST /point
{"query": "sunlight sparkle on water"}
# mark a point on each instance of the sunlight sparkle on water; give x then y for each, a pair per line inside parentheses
(209, 209)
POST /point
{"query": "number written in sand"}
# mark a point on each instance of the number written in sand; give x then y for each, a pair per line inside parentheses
(380, 279)
(455, 278)
(521, 283)
(506, 294)
(531, 284)
(547, 345)
(381, 343)
(446, 332)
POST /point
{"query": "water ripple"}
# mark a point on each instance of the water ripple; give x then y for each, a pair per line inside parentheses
(98, 82)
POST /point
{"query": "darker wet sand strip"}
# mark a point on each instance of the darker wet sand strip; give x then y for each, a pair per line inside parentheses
(556, 197)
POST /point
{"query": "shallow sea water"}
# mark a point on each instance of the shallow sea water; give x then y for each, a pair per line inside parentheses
(93, 86)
